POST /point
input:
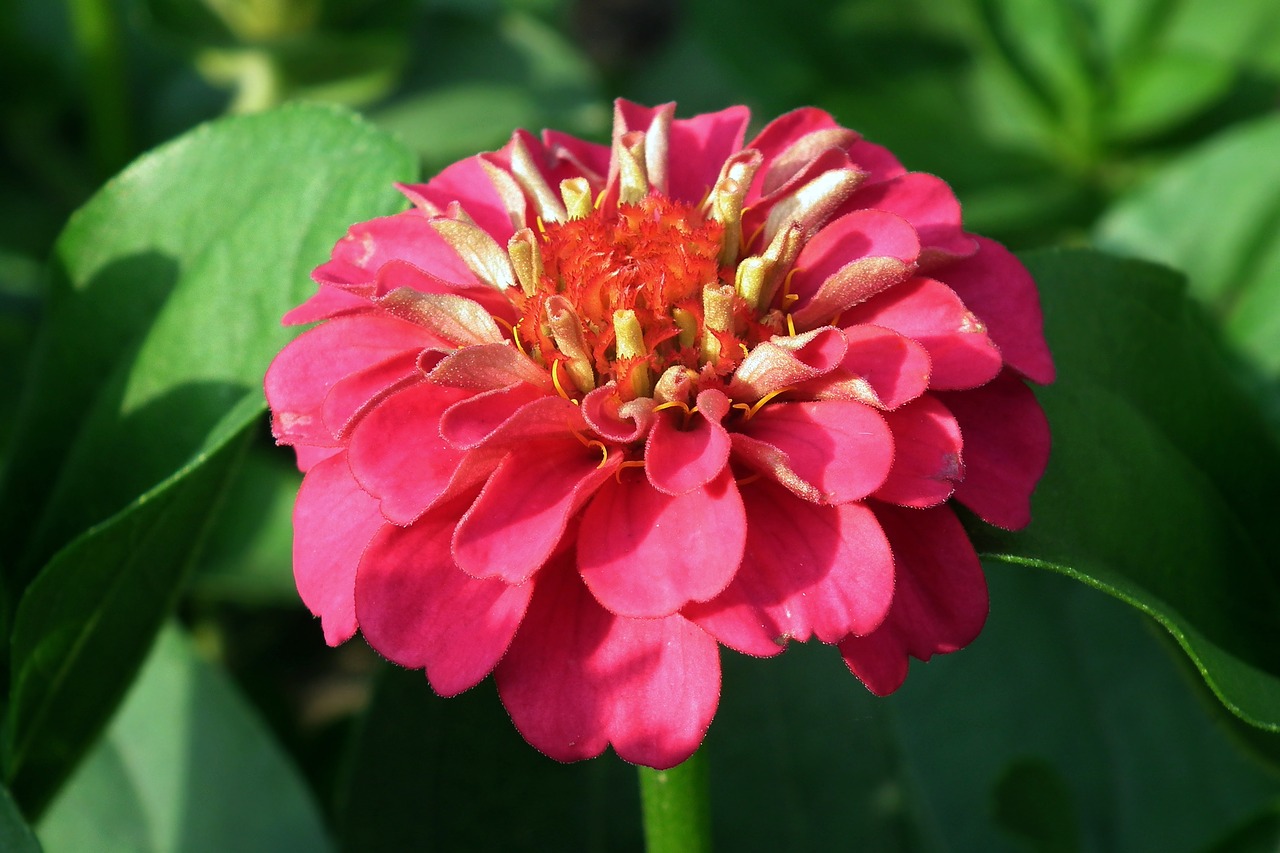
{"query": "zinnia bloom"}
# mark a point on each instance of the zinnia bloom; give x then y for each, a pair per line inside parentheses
(585, 413)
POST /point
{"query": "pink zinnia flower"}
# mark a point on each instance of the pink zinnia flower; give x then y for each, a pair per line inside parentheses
(585, 413)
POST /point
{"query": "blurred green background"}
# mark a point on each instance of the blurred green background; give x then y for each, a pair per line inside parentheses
(1148, 127)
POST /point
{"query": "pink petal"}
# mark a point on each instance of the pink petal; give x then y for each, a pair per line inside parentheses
(417, 608)
(777, 137)
(645, 554)
(962, 354)
(896, 367)
(1006, 449)
(468, 183)
(406, 237)
(508, 416)
(485, 367)
(939, 605)
(927, 463)
(357, 392)
(398, 455)
(997, 287)
(309, 457)
(394, 275)
(784, 362)
(928, 204)
(577, 678)
(684, 453)
(333, 521)
(702, 144)
(573, 157)
(808, 571)
(614, 420)
(856, 235)
(842, 449)
(328, 301)
(515, 524)
(875, 160)
(301, 376)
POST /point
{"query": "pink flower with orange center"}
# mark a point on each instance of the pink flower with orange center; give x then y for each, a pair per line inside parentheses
(585, 413)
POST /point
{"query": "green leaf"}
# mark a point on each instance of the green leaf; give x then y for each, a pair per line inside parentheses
(15, 835)
(88, 619)
(1081, 685)
(1214, 214)
(1034, 803)
(185, 765)
(1259, 835)
(164, 314)
(249, 557)
(489, 74)
(434, 774)
(1160, 482)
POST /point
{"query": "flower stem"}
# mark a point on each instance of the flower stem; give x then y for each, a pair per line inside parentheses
(677, 814)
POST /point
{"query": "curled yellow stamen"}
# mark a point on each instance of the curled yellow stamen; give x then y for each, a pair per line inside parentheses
(750, 478)
(626, 463)
(604, 453)
(555, 380)
(676, 404)
(787, 296)
(589, 443)
(749, 410)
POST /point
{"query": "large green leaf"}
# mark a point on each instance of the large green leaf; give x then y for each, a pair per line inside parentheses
(164, 313)
(185, 765)
(1078, 686)
(1160, 485)
(15, 835)
(434, 774)
(1214, 214)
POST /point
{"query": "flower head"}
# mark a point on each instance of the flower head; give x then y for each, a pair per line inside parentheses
(585, 413)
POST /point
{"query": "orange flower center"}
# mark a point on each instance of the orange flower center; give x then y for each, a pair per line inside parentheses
(621, 292)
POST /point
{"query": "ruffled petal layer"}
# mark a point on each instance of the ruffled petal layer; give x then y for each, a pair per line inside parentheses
(1006, 449)
(645, 554)
(578, 678)
(807, 571)
(998, 288)
(420, 610)
(398, 454)
(960, 350)
(520, 515)
(333, 521)
(939, 605)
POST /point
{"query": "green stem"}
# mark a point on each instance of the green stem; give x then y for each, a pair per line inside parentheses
(95, 26)
(677, 813)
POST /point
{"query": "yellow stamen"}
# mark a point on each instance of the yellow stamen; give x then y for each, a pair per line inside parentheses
(589, 443)
(626, 463)
(749, 410)
(676, 404)
(750, 478)
(791, 326)
(555, 380)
